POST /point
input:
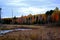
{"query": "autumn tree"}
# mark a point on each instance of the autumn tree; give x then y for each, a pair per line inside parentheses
(48, 15)
(6, 21)
(14, 20)
(56, 9)
(36, 20)
(49, 12)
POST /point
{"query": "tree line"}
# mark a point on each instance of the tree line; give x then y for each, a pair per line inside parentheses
(51, 16)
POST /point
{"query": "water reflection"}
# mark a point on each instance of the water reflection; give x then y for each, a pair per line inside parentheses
(2, 32)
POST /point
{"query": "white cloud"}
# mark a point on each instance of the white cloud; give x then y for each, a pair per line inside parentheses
(15, 3)
(25, 7)
(32, 10)
(43, 0)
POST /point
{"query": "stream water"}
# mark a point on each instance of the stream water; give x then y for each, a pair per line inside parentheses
(2, 32)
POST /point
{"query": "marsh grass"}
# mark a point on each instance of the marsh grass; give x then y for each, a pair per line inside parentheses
(35, 34)
(9, 27)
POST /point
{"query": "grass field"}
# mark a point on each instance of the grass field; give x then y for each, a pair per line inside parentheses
(41, 33)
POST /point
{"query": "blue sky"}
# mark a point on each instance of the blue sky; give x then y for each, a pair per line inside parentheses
(26, 7)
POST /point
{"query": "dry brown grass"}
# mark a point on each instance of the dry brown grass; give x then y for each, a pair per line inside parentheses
(8, 27)
(42, 33)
